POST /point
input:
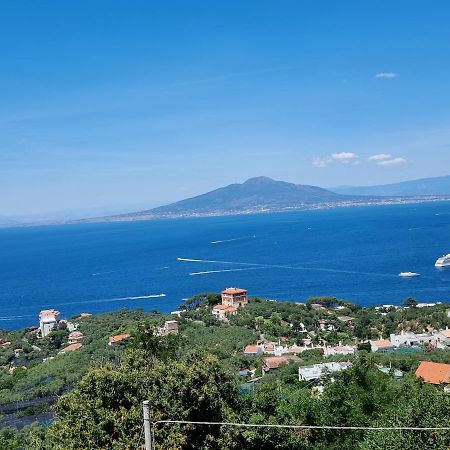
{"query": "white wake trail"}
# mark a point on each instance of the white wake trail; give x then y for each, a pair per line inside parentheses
(224, 270)
(281, 266)
(234, 239)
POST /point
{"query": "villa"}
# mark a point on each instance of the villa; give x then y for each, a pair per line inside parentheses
(316, 371)
(232, 299)
(48, 319)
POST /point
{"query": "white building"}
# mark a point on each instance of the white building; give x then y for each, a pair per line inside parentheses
(410, 339)
(48, 319)
(339, 350)
(316, 371)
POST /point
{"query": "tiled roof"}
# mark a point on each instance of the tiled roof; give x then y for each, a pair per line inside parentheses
(382, 343)
(118, 338)
(71, 348)
(435, 373)
(251, 349)
(225, 308)
(49, 312)
(234, 291)
(273, 362)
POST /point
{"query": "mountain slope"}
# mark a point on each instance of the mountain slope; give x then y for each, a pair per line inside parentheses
(260, 192)
(424, 186)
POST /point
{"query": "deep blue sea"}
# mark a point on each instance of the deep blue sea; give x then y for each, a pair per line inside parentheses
(353, 253)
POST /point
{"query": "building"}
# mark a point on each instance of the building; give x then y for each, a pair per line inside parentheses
(381, 345)
(433, 373)
(253, 350)
(74, 337)
(316, 371)
(339, 350)
(234, 297)
(396, 373)
(71, 348)
(409, 339)
(349, 321)
(114, 340)
(48, 319)
(169, 327)
(221, 311)
(273, 362)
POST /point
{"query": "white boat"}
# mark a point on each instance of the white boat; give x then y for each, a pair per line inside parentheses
(443, 261)
(408, 274)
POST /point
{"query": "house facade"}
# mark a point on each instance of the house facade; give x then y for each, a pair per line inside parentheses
(48, 319)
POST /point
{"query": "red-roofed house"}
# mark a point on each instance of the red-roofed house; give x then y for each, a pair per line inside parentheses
(234, 297)
(113, 340)
(253, 350)
(273, 362)
(221, 311)
(434, 373)
(74, 337)
(381, 345)
(71, 348)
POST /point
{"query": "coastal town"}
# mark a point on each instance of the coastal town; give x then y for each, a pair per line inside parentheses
(308, 345)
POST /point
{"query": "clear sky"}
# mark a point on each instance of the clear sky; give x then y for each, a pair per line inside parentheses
(122, 103)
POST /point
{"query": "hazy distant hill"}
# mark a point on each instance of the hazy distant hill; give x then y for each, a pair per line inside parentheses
(260, 192)
(424, 186)
(6, 221)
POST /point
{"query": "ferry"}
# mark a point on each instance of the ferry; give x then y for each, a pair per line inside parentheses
(408, 274)
(443, 261)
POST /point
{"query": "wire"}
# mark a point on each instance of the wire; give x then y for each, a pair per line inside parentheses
(309, 427)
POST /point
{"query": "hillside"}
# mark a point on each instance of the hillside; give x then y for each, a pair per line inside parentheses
(423, 186)
(255, 193)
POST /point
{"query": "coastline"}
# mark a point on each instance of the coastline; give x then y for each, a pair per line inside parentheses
(149, 216)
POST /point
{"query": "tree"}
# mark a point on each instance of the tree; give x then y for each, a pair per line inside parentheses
(105, 410)
(410, 302)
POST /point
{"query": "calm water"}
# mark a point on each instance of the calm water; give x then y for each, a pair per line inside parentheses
(353, 253)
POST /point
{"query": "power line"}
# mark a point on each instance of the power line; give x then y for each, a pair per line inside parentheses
(302, 427)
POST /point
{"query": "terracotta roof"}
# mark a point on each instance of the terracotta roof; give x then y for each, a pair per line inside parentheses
(118, 338)
(49, 312)
(71, 348)
(225, 308)
(435, 373)
(251, 349)
(273, 362)
(220, 307)
(446, 333)
(85, 314)
(76, 335)
(233, 291)
(382, 343)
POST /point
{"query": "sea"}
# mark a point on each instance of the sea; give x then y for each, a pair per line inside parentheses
(354, 253)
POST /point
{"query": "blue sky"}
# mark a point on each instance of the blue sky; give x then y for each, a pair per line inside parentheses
(139, 103)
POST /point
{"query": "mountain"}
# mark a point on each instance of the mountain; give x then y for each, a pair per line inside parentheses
(423, 186)
(6, 221)
(255, 194)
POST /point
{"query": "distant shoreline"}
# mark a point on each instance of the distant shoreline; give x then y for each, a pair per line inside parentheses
(135, 217)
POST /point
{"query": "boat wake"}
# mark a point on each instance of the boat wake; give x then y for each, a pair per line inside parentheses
(16, 317)
(289, 267)
(116, 299)
(234, 239)
(206, 272)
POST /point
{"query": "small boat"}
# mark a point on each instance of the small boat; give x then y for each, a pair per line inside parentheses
(408, 274)
(444, 261)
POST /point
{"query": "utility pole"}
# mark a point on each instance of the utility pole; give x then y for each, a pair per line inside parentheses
(147, 425)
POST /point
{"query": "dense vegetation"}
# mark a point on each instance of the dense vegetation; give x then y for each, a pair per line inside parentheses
(193, 376)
